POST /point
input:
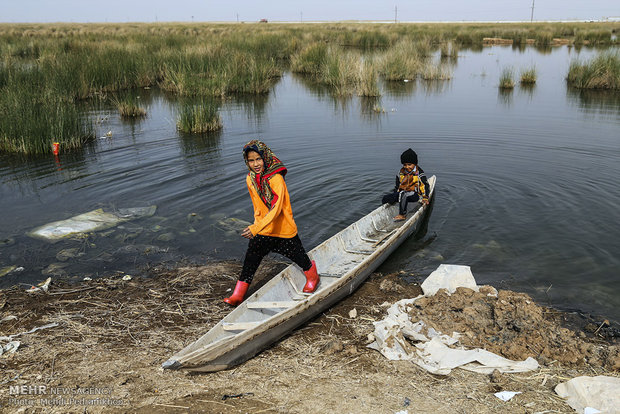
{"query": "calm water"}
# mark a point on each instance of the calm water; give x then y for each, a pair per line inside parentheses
(527, 189)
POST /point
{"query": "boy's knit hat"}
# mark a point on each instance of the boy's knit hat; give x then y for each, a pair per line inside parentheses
(409, 157)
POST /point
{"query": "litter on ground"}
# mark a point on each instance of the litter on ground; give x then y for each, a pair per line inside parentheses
(433, 350)
(584, 394)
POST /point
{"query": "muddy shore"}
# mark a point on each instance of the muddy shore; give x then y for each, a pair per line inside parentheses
(112, 335)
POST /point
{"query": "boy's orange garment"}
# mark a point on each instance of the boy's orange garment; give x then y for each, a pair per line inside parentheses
(277, 222)
(410, 181)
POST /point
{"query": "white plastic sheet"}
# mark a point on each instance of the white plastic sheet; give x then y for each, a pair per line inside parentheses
(432, 350)
(449, 277)
(586, 393)
(95, 220)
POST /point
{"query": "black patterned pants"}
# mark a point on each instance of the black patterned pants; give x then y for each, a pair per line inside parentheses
(402, 197)
(260, 246)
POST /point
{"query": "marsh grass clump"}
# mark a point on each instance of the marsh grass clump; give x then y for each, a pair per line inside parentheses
(31, 123)
(128, 107)
(340, 72)
(528, 76)
(506, 79)
(449, 50)
(403, 61)
(601, 72)
(432, 71)
(311, 59)
(368, 85)
(199, 117)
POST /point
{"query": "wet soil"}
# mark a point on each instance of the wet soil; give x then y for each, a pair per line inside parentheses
(113, 334)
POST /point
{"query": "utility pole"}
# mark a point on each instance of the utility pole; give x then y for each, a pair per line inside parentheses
(395, 14)
(237, 17)
(301, 17)
(532, 17)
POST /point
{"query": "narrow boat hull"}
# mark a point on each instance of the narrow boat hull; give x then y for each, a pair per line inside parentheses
(219, 349)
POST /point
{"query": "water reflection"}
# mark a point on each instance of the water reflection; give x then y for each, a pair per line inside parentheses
(595, 101)
(339, 103)
(505, 96)
(435, 87)
(372, 109)
(527, 89)
(398, 89)
(254, 106)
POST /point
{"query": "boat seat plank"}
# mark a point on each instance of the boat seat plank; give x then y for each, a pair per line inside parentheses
(268, 305)
(346, 249)
(240, 326)
(365, 238)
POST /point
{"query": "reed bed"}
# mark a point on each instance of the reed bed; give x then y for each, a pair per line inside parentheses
(506, 79)
(199, 117)
(368, 85)
(61, 65)
(601, 72)
(449, 50)
(129, 107)
(432, 71)
(528, 76)
(404, 61)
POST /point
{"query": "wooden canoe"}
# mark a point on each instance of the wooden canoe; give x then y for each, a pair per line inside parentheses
(344, 261)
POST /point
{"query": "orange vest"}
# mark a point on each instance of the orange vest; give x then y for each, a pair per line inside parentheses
(277, 222)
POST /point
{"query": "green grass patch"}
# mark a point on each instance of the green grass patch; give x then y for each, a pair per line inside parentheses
(528, 76)
(199, 117)
(601, 72)
(506, 79)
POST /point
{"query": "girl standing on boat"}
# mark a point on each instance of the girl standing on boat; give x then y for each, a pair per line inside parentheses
(274, 229)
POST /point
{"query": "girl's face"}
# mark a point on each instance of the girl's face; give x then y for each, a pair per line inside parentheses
(255, 162)
(408, 166)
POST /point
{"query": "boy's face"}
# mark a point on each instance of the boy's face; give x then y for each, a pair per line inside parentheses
(408, 166)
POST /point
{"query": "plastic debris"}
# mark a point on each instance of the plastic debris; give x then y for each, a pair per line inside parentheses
(87, 279)
(590, 410)
(9, 348)
(8, 318)
(353, 313)
(601, 393)
(43, 286)
(506, 395)
(127, 277)
(88, 222)
(432, 350)
(10, 337)
(449, 277)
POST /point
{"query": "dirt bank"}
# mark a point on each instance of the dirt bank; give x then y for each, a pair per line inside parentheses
(112, 336)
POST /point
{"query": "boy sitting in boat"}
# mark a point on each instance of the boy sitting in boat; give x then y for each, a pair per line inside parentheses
(274, 228)
(411, 185)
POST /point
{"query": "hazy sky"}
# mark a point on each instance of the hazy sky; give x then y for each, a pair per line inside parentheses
(308, 10)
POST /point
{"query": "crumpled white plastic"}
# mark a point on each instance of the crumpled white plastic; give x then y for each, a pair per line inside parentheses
(432, 350)
(88, 222)
(506, 395)
(449, 277)
(586, 393)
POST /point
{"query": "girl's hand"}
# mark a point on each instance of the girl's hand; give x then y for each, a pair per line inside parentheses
(247, 233)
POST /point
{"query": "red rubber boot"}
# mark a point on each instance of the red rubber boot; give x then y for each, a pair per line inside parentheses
(237, 297)
(312, 279)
